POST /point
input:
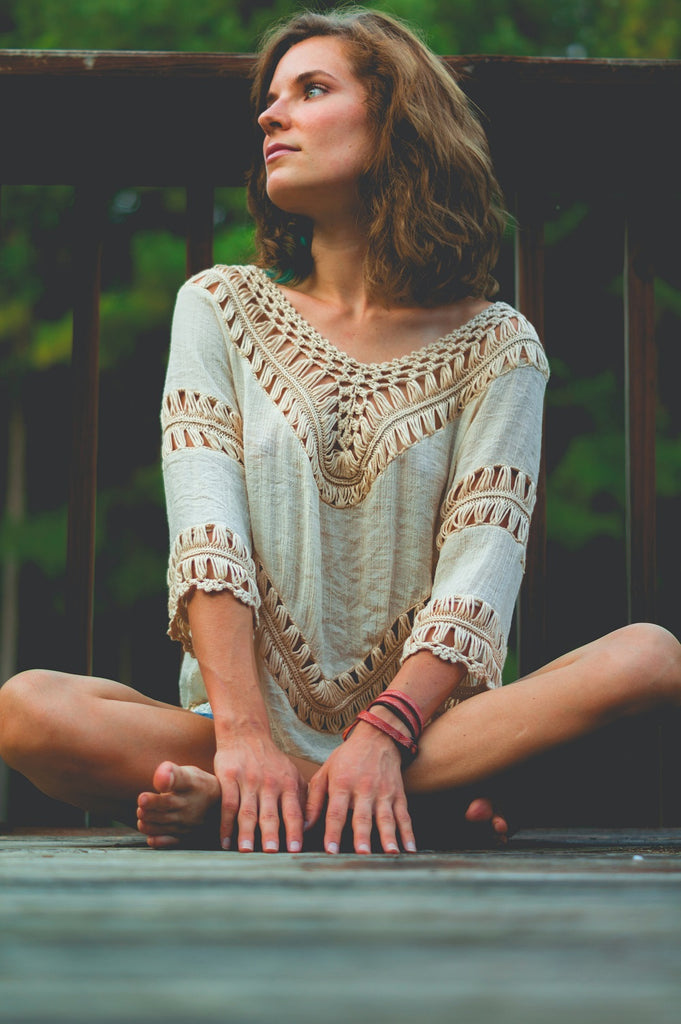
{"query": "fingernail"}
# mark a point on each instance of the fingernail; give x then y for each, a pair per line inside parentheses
(363, 848)
(226, 843)
(332, 848)
(246, 846)
(392, 848)
(271, 846)
(306, 824)
(294, 847)
(410, 846)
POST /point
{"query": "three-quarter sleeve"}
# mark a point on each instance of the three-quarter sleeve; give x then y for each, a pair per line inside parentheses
(483, 528)
(203, 462)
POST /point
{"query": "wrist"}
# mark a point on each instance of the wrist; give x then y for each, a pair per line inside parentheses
(231, 725)
(383, 735)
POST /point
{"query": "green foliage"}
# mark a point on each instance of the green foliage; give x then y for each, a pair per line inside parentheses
(39, 540)
(599, 28)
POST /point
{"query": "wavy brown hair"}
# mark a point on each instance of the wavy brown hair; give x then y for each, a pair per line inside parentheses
(434, 211)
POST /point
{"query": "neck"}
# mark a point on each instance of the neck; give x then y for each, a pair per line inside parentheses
(337, 277)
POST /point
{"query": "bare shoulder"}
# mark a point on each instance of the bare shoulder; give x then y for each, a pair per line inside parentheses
(456, 314)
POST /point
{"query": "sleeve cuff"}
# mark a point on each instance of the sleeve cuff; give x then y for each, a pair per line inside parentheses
(463, 630)
(210, 558)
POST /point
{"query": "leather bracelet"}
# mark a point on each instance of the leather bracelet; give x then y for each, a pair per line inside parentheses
(404, 708)
(394, 708)
(407, 702)
(407, 746)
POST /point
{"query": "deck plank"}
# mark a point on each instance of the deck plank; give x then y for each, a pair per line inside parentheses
(557, 926)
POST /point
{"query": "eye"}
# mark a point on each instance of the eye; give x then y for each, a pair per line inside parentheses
(314, 89)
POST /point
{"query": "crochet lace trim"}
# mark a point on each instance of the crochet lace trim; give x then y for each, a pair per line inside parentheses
(354, 418)
(210, 558)
(464, 630)
(192, 420)
(327, 705)
(492, 496)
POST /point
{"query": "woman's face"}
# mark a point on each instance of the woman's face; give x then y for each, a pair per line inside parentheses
(317, 134)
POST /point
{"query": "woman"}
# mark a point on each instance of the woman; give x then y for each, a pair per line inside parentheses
(351, 443)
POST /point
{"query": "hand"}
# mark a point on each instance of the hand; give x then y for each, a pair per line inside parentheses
(261, 787)
(363, 774)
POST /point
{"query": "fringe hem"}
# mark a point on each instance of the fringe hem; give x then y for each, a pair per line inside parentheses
(464, 630)
(210, 558)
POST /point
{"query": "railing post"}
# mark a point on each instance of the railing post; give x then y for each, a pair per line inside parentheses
(200, 203)
(640, 375)
(529, 287)
(640, 401)
(80, 558)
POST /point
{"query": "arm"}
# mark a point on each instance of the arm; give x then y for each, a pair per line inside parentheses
(213, 595)
(256, 779)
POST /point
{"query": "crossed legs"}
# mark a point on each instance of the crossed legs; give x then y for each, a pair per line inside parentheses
(105, 747)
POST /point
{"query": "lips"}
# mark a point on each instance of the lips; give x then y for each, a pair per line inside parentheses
(276, 149)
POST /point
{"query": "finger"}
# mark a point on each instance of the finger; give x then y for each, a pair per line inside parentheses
(404, 825)
(292, 814)
(316, 795)
(228, 813)
(269, 822)
(362, 820)
(385, 823)
(336, 816)
(247, 821)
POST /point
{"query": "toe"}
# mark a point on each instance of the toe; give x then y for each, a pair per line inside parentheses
(162, 842)
(480, 810)
(165, 777)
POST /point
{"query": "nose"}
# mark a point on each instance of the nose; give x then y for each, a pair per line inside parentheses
(274, 116)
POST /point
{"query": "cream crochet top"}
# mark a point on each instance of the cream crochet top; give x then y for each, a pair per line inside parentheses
(364, 511)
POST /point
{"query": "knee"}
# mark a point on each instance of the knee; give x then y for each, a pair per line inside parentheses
(656, 659)
(26, 716)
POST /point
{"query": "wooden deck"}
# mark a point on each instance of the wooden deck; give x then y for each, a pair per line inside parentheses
(578, 926)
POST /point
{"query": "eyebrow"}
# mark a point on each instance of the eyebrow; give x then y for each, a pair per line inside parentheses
(304, 76)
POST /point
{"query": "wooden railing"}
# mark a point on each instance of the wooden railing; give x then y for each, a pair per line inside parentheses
(100, 120)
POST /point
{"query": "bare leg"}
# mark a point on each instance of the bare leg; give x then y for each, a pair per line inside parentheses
(98, 744)
(105, 747)
(633, 670)
(93, 742)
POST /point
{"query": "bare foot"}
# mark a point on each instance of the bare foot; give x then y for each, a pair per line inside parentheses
(482, 810)
(178, 809)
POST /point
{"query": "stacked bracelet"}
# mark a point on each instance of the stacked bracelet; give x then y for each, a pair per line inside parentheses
(406, 710)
